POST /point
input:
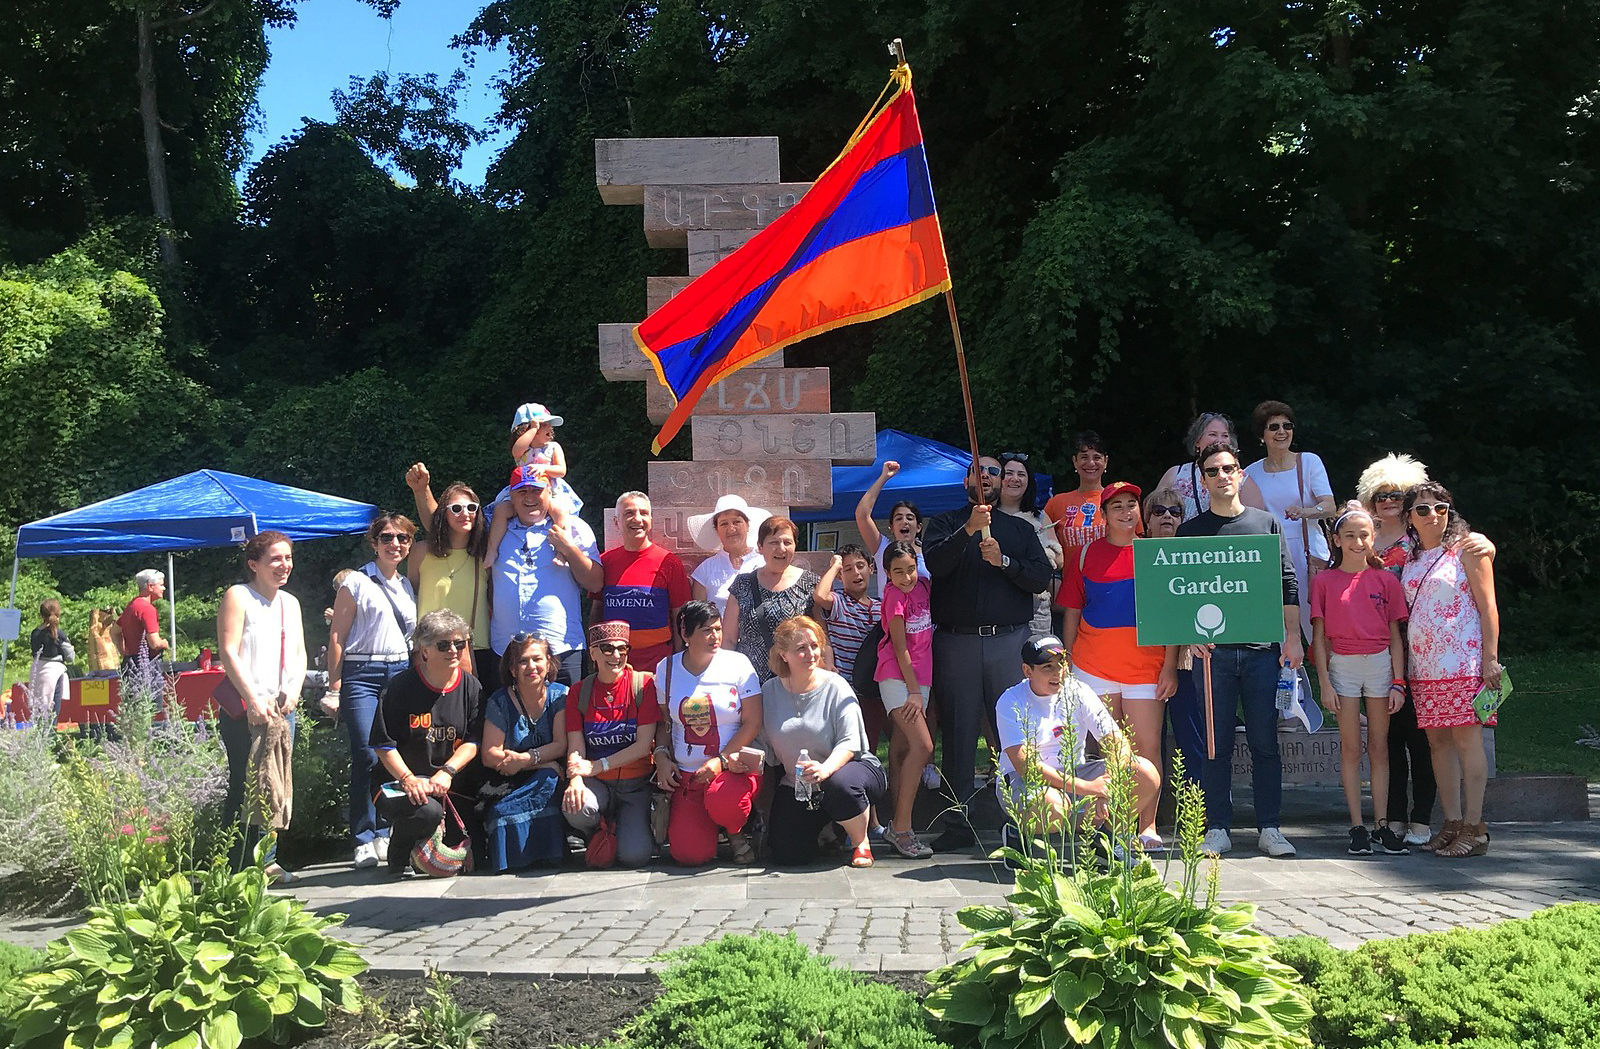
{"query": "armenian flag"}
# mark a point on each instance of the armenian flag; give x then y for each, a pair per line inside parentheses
(862, 243)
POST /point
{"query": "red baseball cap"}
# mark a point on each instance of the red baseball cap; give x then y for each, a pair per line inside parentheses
(1111, 491)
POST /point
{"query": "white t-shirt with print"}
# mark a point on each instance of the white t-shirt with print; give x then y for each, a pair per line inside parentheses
(705, 710)
(1024, 717)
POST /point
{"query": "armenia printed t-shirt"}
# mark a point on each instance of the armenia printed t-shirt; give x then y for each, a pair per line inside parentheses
(1357, 608)
(705, 710)
(1023, 717)
(848, 623)
(615, 719)
(426, 724)
(138, 621)
(1078, 518)
(642, 587)
(915, 609)
(1107, 644)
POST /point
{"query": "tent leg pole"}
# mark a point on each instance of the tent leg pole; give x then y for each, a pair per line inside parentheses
(172, 609)
(11, 602)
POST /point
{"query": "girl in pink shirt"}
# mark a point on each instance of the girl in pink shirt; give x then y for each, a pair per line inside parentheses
(905, 669)
(1356, 609)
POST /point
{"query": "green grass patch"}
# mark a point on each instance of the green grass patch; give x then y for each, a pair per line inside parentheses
(1528, 984)
(15, 959)
(1557, 694)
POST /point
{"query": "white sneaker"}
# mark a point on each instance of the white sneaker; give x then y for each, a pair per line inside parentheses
(366, 856)
(1418, 834)
(381, 848)
(1273, 843)
(1216, 842)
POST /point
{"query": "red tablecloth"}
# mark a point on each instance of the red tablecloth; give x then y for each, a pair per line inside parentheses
(91, 700)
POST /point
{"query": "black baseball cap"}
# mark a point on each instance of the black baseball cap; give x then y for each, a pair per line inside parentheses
(1042, 650)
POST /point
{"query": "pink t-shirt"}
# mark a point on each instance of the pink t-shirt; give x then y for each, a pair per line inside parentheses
(1356, 610)
(918, 614)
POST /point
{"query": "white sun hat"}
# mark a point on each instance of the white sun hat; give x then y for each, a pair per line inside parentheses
(703, 528)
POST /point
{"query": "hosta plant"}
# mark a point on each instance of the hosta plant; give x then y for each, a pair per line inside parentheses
(185, 966)
(1119, 959)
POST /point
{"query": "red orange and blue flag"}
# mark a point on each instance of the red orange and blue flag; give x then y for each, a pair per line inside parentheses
(862, 243)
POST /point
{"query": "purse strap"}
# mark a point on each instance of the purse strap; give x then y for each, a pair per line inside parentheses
(450, 807)
(405, 625)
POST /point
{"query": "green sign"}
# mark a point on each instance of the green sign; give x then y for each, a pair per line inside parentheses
(1226, 589)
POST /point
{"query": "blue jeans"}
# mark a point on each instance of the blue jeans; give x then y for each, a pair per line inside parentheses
(1247, 679)
(358, 704)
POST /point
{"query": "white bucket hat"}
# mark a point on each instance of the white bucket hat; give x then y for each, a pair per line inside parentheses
(703, 526)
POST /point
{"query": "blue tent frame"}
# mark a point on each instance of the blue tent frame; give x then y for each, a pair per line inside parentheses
(206, 508)
(932, 475)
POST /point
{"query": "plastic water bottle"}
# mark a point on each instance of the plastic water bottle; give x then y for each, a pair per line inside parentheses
(804, 790)
(1286, 684)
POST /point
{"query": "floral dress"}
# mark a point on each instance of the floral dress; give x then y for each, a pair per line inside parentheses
(560, 491)
(760, 612)
(1444, 639)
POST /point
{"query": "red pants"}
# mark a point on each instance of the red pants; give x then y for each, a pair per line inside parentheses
(699, 809)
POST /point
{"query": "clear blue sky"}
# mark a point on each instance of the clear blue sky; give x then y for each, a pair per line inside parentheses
(334, 40)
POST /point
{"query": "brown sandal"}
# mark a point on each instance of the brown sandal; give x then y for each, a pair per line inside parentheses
(1472, 841)
(1443, 836)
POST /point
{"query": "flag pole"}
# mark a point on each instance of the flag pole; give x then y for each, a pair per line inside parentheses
(897, 50)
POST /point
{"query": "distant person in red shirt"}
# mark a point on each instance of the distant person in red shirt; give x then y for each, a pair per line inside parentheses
(644, 586)
(140, 622)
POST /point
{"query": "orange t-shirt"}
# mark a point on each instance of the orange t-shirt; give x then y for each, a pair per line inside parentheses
(1077, 519)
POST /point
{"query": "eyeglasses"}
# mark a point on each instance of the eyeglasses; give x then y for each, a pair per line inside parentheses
(463, 508)
(1213, 471)
(1157, 510)
(394, 537)
(1388, 497)
(455, 645)
(1277, 427)
(989, 471)
(1429, 509)
(1007, 457)
(613, 648)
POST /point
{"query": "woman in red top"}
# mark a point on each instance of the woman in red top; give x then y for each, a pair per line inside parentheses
(611, 726)
(1099, 632)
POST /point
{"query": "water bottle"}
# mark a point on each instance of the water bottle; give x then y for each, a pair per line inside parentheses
(1286, 684)
(804, 790)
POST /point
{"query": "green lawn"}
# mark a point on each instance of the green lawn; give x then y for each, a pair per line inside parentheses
(1556, 694)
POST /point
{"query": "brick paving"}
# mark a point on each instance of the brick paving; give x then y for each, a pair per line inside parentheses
(899, 916)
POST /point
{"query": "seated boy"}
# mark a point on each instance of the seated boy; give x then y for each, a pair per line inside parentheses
(1032, 718)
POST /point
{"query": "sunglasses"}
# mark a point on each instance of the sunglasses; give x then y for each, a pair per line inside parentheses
(1008, 457)
(989, 471)
(1429, 509)
(463, 508)
(1215, 471)
(613, 648)
(394, 537)
(1157, 510)
(456, 645)
(1280, 427)
(1388, 497)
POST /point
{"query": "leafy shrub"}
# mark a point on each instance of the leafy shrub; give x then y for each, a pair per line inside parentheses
(438, 1023)
(770, 992)
(33, 835)
(1527, 984)
(320, 767)
(185, 968)
(1118, 959)
(15, 959)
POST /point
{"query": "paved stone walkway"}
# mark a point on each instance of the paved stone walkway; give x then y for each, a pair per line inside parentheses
(899, 915)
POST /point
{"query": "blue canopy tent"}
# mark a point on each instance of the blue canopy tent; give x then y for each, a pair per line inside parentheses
(205, 508)
(932, 475)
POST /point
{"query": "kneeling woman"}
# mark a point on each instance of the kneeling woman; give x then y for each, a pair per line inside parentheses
(611, 728)
(524, 758)
(426, 732)
(712, 711)
(806, 708)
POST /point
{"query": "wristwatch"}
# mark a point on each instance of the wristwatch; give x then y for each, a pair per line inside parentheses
(1005, 561)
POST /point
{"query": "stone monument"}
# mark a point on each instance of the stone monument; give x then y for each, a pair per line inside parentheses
(768, 432)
